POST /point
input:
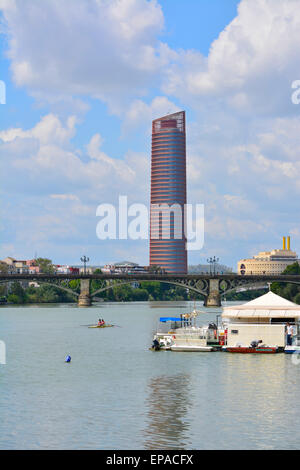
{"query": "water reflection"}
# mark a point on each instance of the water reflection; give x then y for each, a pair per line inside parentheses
(168, 304)
(167, 407)
(257, 400)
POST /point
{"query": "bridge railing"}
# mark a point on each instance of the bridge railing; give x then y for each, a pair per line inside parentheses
(147, 276)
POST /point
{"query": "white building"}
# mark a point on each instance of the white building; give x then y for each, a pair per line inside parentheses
(125, 267)
(269, 262)
(15, 266)
(264, 318)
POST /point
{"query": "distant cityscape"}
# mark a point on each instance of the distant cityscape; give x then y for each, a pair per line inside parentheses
(14, 266)
(271, 262)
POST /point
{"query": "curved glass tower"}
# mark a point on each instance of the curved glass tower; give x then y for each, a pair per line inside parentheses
(168, 194)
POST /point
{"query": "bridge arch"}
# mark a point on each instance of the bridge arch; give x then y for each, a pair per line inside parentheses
(67, 289)
(248, 285)
(121, 283)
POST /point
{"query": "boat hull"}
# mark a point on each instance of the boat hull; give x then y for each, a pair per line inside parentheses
(191, 348)
(102, 326)
(261, 350)
(292, 350)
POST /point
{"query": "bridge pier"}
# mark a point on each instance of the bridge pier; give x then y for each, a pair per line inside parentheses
(214, 297)
(84, 299)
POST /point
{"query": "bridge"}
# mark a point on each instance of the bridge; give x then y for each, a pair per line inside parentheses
(211, 286)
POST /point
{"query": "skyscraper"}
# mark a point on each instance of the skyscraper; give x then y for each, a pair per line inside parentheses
(168, 186)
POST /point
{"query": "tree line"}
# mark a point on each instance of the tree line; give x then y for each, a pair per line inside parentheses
(16, 293)
(144, 291)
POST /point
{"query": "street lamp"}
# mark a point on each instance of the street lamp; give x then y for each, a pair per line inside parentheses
(212, 262)
(84, 259)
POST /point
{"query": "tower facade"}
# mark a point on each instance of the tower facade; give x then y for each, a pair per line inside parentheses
(168, 194)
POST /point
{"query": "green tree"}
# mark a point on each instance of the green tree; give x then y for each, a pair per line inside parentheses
(13, 299)
(152, 287)
(289, 291)
(2, 290)
(122, 293)
(97, 283)
(292, 269)
(156, 269)
(74, 284)
(139, 295)
(45, 265)
(3, 267)
(16, 294)
(246, 295)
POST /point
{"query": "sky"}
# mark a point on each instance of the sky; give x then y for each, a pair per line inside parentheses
(85, 78)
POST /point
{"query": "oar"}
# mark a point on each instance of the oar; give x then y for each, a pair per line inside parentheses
(93, 324)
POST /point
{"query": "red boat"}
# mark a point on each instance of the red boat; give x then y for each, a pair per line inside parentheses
(257, 350)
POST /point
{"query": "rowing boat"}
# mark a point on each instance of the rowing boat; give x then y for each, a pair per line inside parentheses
(100, 326)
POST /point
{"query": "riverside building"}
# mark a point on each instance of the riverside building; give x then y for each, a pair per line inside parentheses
(264, 318)
(269, 262)
(168, 186)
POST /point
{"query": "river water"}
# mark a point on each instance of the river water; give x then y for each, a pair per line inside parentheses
(116, 394)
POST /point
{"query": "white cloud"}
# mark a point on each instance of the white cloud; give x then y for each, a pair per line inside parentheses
(65, 197)
(104, 48)
(46, 160)
(110, 49)
(141, 114)
(61, 186)
(48, 130)
(250, 66)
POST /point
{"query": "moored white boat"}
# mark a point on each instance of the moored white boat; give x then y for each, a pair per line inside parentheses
(292, 349)
(191, 348)
(182, 334)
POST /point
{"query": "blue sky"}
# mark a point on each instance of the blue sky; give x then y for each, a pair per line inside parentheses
(83, 86)
(195, 24)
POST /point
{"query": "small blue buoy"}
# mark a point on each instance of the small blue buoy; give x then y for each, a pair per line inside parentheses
(68, 359)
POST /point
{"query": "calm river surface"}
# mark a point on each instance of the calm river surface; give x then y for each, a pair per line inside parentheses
(116, 394)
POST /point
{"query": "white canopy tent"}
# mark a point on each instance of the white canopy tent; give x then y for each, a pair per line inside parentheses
(269, 305)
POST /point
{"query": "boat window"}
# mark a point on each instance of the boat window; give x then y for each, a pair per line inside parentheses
(282, 320)
(234, 332)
